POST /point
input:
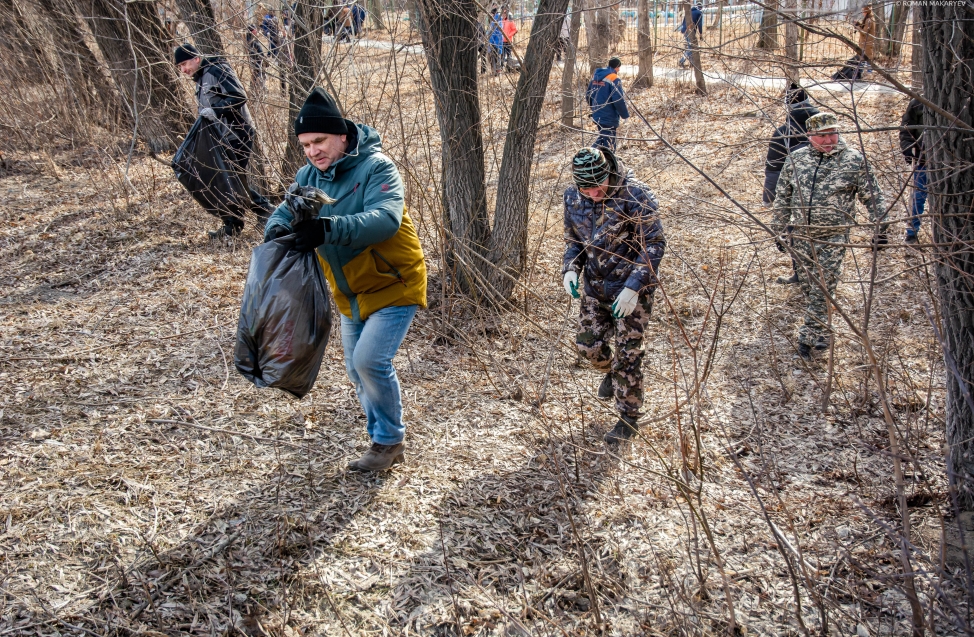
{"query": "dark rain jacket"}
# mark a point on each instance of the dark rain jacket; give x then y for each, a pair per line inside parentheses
(697, 16)
(217, 87)
(911, 133)
(606, 99)
(617, 242)
(789, 137)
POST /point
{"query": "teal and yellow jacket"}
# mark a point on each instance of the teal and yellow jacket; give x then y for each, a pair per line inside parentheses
(372, 256)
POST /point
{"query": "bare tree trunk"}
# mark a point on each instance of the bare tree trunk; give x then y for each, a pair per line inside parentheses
(309, 21)
(597, 33)
(897, 28)
(449, 32)
(880, 33)
(485, 261)
(948, 43)
(510, 237)
(718, 16)
(695, 49)
(198, 17)
(86, 79)
(568, 75)
(916, 54)
(768, 35)
(20, 38)
(644, 42)
(791, 40)
(134, 43)
(375, 12)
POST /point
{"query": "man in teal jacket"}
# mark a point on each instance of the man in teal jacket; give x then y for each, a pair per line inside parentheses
(370, 253)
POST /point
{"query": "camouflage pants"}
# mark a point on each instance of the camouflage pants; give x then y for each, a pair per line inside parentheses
(821, 263)
(599, 333)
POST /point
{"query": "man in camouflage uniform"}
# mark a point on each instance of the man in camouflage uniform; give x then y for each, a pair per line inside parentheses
(615, 240)
(816, 195)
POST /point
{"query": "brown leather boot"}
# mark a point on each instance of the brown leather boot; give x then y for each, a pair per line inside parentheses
(379, 457)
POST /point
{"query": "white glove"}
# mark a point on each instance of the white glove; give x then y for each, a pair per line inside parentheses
(208, 113)
(571, 283)
(625, 303)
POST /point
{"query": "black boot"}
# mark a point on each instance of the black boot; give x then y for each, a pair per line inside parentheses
(805, 351)
(624, 430)
(605, 387)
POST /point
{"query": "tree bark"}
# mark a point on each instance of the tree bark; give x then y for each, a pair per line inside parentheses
(768, 35)
(897, 28)
(916, 54)
(947, 34)
(644, 43)
(134, 43)
(568, 75)
(509, 242)
(309, 21)
(718, 16)
(449, 32)
(486, 262)
(198, 17)
(597, 33)
(89, 85)
(791, 40)
(695, 46)
(375, 12)
(880, 33)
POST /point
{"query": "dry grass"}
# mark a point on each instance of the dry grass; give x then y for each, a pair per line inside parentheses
(148, 489)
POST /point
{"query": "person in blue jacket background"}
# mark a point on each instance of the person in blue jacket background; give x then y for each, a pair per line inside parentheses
(608, 103)
(697, 16)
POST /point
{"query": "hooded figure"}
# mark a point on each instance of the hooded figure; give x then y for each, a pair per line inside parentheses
(787, 138)
(608, 103)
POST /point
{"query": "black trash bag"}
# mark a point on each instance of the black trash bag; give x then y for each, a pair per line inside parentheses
(203, 168)
(852, 71)
(285, 318)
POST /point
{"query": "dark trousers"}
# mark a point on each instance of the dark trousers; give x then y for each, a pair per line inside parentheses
(238, 154)
(607, 138)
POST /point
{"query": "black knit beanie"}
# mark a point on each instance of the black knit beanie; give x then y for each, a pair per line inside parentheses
(615, 63)
(185, 52)
(320, 114)
(795, 94)
(589, 168)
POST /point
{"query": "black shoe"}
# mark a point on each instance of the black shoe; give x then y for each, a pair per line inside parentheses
(911, 239)
(624, 430)
(605, 387)
(787, 280)
(823, 342)
(222, 233)
(805, 351)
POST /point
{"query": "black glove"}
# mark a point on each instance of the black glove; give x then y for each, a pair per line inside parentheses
(780, 242)
(302, 203)
(880, 241)
(276, 232)
(310, 234)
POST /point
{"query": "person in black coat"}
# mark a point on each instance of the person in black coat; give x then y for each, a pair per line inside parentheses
(787, 138)
(911, 143)
(221, 99)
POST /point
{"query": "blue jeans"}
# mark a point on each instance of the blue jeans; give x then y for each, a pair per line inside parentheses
(688, 52)
(607, 138)
(370, 346)
(919, 199)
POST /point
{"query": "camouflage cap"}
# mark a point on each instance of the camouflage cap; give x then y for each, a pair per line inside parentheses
(821, 121)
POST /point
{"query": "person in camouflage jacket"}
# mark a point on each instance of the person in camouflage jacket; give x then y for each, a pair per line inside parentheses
(614, 240)
(816, 196)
